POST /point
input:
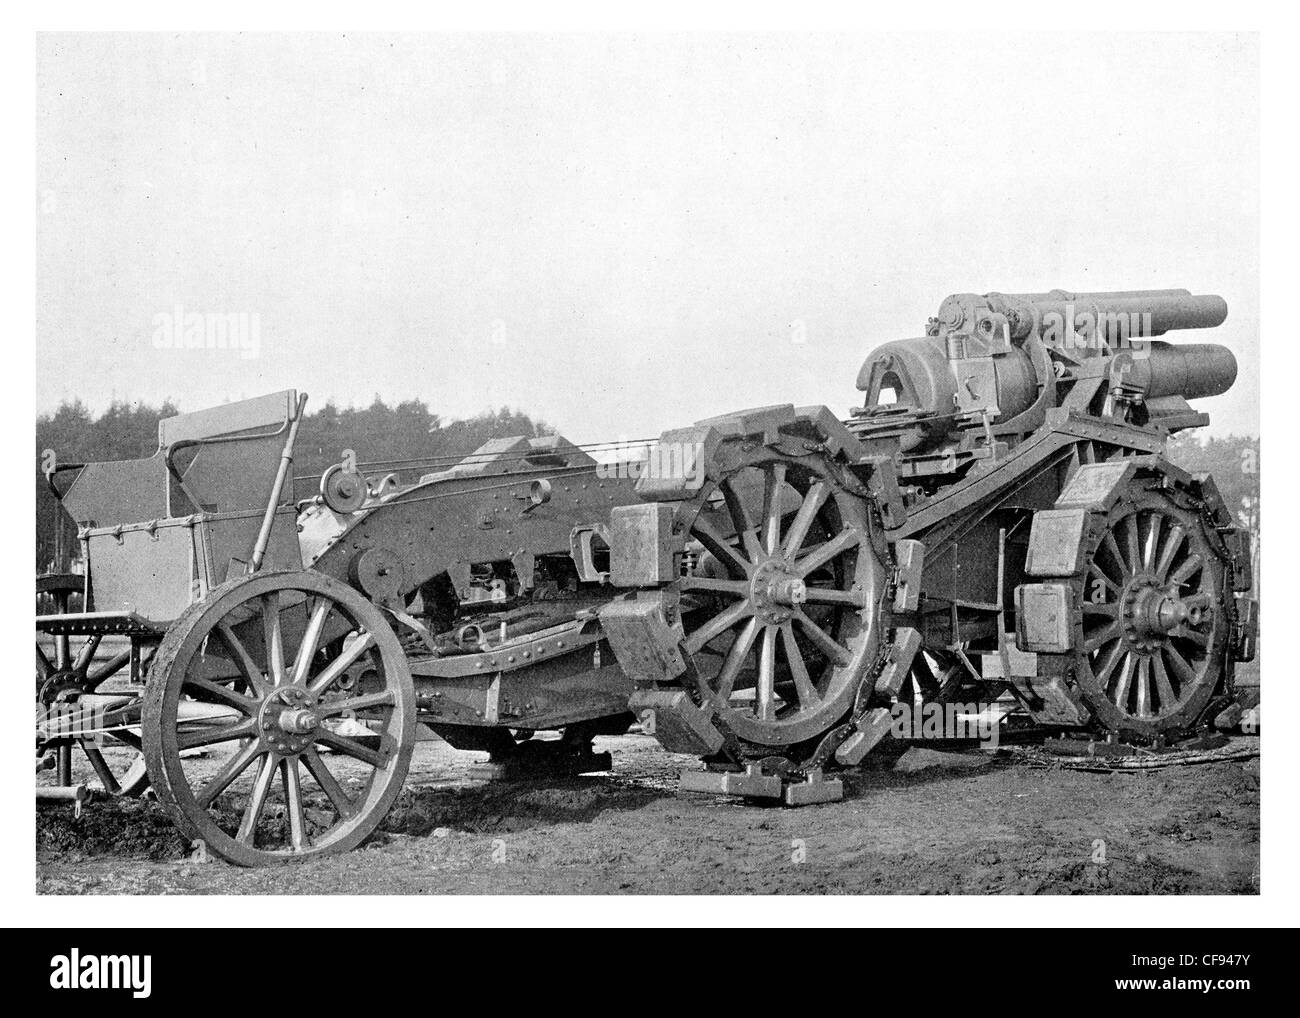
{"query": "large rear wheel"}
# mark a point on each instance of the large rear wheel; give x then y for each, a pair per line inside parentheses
(1152, 625)
(782, 601)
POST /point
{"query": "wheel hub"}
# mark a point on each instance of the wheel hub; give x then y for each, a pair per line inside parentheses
(1150, 612)
(62, 687)
(289, 720)
(776, 592)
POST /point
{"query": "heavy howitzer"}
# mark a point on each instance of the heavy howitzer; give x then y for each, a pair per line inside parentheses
(993, 365)
(996, 525)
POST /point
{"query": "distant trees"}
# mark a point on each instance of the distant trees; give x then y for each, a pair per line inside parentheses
(411, 431)
(407, 431)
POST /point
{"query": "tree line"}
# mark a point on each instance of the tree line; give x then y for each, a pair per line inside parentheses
(410, 430)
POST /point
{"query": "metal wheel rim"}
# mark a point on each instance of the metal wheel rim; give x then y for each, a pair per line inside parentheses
(1135, 677)
(293, 763)
(776, 637)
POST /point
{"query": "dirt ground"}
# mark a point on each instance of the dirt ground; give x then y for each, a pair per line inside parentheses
(972, 824)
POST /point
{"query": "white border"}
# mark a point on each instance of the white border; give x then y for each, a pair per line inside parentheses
(1273, 907)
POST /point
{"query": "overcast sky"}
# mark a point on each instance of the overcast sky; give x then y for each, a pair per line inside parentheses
(617, 234)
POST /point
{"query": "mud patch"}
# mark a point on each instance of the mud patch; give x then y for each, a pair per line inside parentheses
(119, 828)
(1003, 828)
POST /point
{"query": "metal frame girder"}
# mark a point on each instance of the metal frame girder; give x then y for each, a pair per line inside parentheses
(1026, 457)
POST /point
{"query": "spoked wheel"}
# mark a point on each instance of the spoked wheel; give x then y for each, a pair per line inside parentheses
(75, 691)
(252, 675)
(63, 594)
(113, 752)
(782, 608)
(1151, 628)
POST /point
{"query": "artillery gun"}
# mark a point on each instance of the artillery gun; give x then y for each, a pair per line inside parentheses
(273, 656)
(996, 522)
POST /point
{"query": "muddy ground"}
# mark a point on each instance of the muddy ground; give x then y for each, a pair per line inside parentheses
(972, 824)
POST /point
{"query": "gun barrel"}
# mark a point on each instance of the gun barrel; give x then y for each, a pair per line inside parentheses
(1189, 370)
(1168, 310)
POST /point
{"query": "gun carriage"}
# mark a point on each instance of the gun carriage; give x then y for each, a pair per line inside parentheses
(996, 524)
(996, 518)
(298, 644)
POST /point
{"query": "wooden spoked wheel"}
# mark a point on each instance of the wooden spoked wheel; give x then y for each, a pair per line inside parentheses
(77, 687)
(782, 608)
(1151, 627)
(254, 676)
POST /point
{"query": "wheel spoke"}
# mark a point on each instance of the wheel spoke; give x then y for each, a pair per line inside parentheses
(839, 655)
(1120, 698)
(1101, 637)
(102, 769)
(1153, 540)
(1187, 570)
(803, 685)
(1132, 547)
(1103, 672)
(1110, 609)
(825, 552)
(273, 637)
(1117, 556)
(717, 545)
(340, 664)
(716, 626)
(242, 659)
(817, 495)
(739, 518)
(293, 803)
(1107, 582)
(210, 735)
(765, 694)
(350, 747)
(1173, 541)
(1163, 686)
(43, 667)
(1192, 636)
(87, 653)
(256, 800)
(726, 678)
(316, 767)
(711, 585)
(384, 698)
(62, 651)
(1184, 672)
(772, 485)
(230, 770)
(223, 695)
(109, 668)
(310, 642)
(1143, 687)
